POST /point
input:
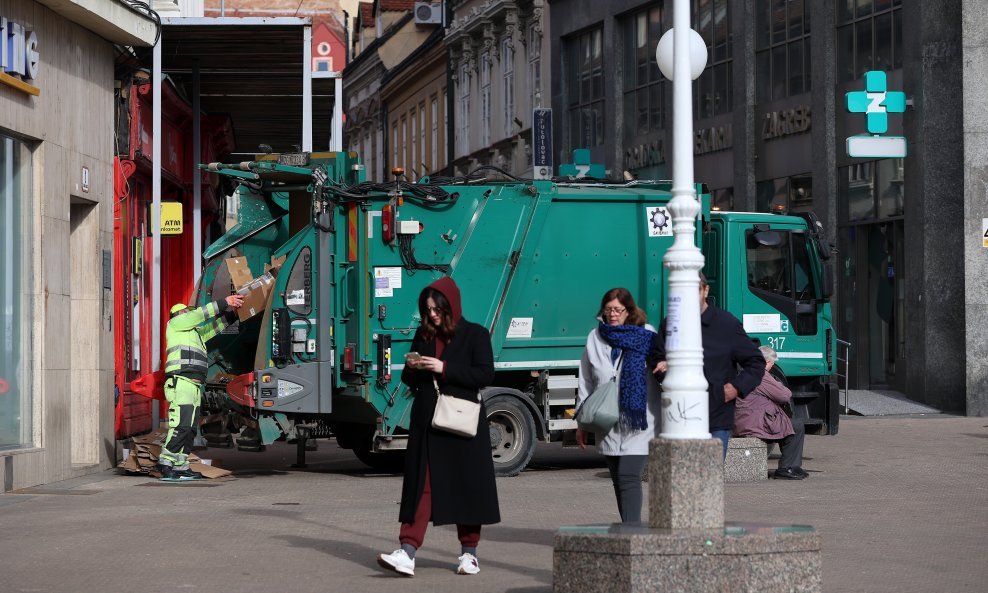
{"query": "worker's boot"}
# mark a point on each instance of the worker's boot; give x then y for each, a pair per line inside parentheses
(187, 474)
(170, 474)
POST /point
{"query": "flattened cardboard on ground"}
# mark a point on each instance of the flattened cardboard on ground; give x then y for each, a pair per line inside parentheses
(144, 456)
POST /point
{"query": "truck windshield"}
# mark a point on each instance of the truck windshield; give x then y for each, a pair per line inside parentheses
(780, 266)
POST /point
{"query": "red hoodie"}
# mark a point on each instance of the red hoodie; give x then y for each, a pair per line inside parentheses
(451, 291)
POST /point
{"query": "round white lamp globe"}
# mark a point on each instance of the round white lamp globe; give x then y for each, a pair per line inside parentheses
(698, 54)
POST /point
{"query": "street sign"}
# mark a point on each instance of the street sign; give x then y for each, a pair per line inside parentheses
(542, 143)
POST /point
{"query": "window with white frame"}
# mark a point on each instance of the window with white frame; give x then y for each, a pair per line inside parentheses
(421, 166)
(485, 98)
(410, 168)
(404, 144)
(434, 162)
(463, 117)
(535, 64)
(395, 140)
(368, 157)
(508, 69)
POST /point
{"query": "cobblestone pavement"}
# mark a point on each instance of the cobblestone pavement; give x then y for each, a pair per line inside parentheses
(901, 504)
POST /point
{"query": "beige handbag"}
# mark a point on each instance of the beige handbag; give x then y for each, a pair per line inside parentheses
(456, 415)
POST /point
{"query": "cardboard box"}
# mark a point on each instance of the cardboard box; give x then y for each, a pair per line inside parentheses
(254, 290)
(255, 295)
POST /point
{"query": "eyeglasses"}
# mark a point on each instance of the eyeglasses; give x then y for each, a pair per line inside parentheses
(429, 309)
(618, 310)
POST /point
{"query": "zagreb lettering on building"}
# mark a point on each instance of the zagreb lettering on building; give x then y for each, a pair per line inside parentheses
(786, 122)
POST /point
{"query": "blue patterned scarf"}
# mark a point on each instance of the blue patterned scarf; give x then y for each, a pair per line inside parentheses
(634, 341)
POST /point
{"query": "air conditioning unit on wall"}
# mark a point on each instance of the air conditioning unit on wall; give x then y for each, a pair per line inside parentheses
(428, 13)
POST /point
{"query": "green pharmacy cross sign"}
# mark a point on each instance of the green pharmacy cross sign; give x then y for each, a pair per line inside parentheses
(876, 102)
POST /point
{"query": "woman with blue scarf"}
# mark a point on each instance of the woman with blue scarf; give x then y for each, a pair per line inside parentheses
(619, 346)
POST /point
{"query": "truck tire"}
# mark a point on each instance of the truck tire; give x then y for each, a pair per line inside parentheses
(512, 434)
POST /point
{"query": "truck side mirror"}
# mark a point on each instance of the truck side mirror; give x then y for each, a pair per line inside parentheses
(827, 279)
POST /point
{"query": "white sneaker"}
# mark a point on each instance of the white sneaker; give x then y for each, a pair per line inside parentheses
(468, 564)
(399, 562)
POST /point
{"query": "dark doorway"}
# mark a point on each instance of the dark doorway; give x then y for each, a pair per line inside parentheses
(871, 311)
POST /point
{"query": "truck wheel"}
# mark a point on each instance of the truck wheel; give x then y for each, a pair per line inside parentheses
(512, 435)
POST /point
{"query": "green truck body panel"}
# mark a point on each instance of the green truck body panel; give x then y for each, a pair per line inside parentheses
(532, 260)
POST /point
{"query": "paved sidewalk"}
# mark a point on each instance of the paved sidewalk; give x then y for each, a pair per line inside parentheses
(901, 504)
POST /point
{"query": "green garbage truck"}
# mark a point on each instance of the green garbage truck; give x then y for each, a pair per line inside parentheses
(346, 259)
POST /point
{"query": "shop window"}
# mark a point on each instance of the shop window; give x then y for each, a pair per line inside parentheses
(782, 49)
(644, 103)
(785, 195)
(870, 190)
(15, 289)
(869, 37)
(712, 91)
(585, 88)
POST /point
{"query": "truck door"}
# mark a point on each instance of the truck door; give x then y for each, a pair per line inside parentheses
(784, 307)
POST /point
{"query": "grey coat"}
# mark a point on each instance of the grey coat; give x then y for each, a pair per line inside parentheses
(596, 368)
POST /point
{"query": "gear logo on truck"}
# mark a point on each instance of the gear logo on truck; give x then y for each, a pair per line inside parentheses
(658, 218)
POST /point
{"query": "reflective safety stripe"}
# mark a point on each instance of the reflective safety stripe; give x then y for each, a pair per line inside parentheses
(186, 359)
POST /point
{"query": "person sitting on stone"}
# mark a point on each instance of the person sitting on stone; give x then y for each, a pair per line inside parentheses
(760, 415)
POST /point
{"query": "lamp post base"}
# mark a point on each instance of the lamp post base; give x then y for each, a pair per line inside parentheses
(620, 558)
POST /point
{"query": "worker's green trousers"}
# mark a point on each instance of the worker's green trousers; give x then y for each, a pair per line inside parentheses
(184, 396)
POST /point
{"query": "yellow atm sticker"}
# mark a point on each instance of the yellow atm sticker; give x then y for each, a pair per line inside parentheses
(171, 218)
(984, 232)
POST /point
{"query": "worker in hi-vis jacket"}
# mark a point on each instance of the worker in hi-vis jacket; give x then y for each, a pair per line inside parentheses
(186, 364)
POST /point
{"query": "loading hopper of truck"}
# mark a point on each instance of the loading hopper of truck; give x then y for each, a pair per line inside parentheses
(532, 259)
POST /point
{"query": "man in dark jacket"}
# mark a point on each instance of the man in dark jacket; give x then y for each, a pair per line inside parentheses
(726, 347)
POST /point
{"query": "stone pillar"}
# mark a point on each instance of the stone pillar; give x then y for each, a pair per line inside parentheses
(974, 31)
(686, 484)
(934, 203)
(743, 119)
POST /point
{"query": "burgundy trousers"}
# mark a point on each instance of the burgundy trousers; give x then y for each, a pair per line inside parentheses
(413, 533)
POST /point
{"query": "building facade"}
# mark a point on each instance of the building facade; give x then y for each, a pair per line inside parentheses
(770, 125)
(499, 70)
(56, 236)
(414, 98)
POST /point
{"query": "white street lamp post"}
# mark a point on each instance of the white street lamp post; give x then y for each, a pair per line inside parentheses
(684, 397)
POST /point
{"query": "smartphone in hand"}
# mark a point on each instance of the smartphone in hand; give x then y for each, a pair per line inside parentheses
(412, 356)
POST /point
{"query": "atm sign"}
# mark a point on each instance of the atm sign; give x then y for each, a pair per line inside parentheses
(171, 218)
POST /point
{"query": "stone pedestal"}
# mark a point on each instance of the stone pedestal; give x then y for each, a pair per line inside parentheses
(739, 558)
(686, 548)
(747, 460)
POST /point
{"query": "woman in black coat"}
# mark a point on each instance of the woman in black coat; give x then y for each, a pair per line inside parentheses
(448, 478)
